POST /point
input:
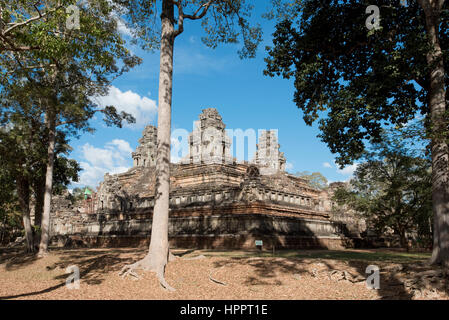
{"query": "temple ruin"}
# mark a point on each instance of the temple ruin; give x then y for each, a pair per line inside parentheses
(215, 200)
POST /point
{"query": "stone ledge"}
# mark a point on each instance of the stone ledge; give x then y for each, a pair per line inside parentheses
(229, 241)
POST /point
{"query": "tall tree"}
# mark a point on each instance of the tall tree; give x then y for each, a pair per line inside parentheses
(223, 22)
(392, 189)
(315, 179)
(60, 79)
(10, 212)
(18, 157)
(23, 150)
(365, 79)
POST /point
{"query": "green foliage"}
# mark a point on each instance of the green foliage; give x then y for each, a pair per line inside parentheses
(315, 179)
(223, 21)
(51, 86)
(10, 216)
(392, 189)
(23, 148)
(353, 80)
(69, 67)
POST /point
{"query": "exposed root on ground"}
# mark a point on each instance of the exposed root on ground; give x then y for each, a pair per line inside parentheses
(129, 270)
(163, 282)
(215, 280)
(172, 257)
(146, 265)
(338, 275)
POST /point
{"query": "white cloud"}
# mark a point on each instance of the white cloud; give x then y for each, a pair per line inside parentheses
(122, 145)
(116, 15)
(289, 166)
(348, 170)
(114, 157)
(122, 28)
(327, 165)
(143, 108)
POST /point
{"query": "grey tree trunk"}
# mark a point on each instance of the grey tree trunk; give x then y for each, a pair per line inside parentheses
(403, 240)
(45, 223)
(39, 202)
(3, 229)
(39, 194)
(23, 192)
(158, 253)
(158, 250)
(440, 151)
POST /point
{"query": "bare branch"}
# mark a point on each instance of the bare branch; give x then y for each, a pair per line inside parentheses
(196, 15)
(180, 18)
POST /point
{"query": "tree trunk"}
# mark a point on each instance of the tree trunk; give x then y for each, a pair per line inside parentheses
(39, 202)
(23, 192)
(403, 240)
(45, 224)
(3, 229)
(158, 252)
(440, 152)
(39, 194)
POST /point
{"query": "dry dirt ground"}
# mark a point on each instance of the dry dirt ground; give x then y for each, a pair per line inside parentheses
(223, 275)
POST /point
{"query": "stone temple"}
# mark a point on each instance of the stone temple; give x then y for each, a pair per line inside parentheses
(215, 201)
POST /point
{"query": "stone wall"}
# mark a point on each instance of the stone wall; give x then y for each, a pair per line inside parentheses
(214, 201)
(219, 231)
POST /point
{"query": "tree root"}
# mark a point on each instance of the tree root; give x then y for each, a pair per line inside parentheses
(172, 257)
(163, 282)
(129, 269)
(215, 280)
(145, 264)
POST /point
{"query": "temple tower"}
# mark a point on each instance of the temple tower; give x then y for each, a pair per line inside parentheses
(145, 154)
(268, 157)
(208, 143)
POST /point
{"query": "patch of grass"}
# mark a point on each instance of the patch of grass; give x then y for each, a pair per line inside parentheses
(370, 255)
(366, 256)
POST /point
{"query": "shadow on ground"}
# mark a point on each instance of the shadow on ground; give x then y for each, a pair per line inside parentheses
(92, 264)
(395, 266)
(397, 269)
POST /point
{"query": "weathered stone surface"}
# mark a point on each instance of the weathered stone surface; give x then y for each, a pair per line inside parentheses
(213, 202)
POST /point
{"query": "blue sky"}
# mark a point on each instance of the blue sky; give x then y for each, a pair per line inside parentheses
(205, 78)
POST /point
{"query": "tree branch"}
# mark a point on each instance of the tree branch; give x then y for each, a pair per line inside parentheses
(13, 47)
(26, 22)
(195, 16)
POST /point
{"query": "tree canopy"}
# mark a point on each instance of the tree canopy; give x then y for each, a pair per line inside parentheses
(357, 80)
(392, 189)
(223, 21)
(352, 80)
(315, 179)
(48, 90)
